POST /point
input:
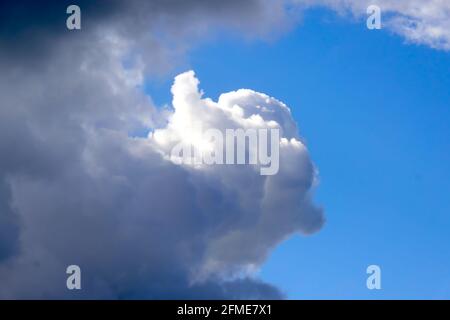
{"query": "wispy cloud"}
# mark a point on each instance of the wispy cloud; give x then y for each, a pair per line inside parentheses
(420, 22)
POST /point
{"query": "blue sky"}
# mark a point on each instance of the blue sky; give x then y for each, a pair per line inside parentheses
(375, 114)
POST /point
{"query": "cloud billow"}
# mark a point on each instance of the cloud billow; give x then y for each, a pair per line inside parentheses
(76, 187)
(138, 225)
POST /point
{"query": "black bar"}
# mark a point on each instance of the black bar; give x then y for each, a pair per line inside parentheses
(218, 309)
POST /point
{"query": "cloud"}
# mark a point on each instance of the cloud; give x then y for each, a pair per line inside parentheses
(86, 192)
(140, 226)
(79, 186)
(420, 22)
(154, 31)
(270, 207)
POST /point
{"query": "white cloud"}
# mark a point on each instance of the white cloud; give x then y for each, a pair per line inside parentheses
(271, 207)
(419, 21)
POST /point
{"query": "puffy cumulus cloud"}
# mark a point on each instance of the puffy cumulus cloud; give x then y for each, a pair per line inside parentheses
(421, 22)
(79, 186)
(139, 225)
(265, 209)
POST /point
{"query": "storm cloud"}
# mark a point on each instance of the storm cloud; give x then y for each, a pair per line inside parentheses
(79, 185)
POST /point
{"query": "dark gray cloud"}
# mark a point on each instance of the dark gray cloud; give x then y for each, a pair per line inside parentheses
(9, 225)
(31, 30)
(77, 188)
